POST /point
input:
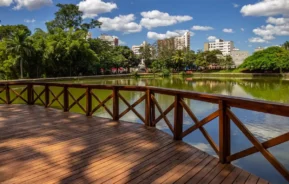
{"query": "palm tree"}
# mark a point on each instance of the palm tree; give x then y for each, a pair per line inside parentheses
(286, 45)
(179, 58)
(19, 46)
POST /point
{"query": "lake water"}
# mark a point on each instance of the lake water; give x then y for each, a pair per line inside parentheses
(263, 126)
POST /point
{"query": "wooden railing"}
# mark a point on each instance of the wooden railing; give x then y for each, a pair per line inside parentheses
(225, 103)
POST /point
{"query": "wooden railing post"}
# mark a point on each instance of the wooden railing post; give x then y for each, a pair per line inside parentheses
(88, 101)
(115, 104)
(178, 119)
(65, 99)
(224, 133)
(153, 110)
(30, 95)
(46, 95)
(148, 108)
(7, 94)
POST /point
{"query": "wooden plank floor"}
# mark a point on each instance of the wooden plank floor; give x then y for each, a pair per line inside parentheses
(39, 145)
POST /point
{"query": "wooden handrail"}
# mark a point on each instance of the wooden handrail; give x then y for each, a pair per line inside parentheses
(152, 105)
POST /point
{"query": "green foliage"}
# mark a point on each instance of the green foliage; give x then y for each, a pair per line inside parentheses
(7, 30)
(165, 73)
(68, 16)
(286, 45)
(136, 74)
(182, 73)
(270, 59)
(227, 62)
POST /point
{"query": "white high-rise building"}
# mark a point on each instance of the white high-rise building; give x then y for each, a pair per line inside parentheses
(177, 43)
(112, 40)
(136, 48)
(183, 42)
(224, 46)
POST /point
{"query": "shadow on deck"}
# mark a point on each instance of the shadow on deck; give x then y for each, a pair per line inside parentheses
(39, 145)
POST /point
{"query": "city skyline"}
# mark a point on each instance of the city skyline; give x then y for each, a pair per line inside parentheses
(249, 24)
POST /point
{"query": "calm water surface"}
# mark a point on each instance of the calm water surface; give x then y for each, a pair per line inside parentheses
(263, 126)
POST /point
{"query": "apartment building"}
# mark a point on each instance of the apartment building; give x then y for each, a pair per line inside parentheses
(112, 40)
(239, 56)
(136, 48)
(224, 46)
(177, 43)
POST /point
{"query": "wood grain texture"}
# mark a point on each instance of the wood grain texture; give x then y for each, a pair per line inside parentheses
(44, 145)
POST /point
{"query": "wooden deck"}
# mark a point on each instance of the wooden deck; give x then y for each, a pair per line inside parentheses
(39, 145)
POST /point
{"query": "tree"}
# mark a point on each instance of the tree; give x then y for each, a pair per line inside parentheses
(7, 30)
(179, 58)
(190, 58)
(19, 47)
(286, 45)
(227, 62)
(201, 60)
(68, 16)
(270, 59)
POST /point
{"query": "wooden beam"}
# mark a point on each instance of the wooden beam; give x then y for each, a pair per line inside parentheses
(268, 144)
(47, 91)
(88, 101)
(178, 118)
(279, 167)
(148, 102)
(65, 99)
(224, 133)
(8, 94)
(115, 103)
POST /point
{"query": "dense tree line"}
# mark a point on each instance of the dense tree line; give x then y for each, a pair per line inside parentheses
(65, 50)
(179, 60)
(273, 59)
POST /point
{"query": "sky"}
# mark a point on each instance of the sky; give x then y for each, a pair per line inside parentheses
(249, 23)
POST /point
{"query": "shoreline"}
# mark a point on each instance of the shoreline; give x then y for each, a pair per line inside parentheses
(150, 75)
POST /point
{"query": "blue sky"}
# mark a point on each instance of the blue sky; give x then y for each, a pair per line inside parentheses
(249, 23)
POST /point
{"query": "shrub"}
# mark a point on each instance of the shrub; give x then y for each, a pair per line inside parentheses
(135, 74)
(165, 73)
(182, 73)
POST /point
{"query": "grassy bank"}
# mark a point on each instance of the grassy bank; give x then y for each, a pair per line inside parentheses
(219, 74)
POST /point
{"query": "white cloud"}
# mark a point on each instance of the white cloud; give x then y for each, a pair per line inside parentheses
(269, 31)
(266, 8)
(277, 21)
(242, 29)
(29, 21)
(257, 40)
(123, 23)
(202, 28)
(212, 38)
(235, 5)
(6, 2)
(91, 8)
(226, 30)
(155, 18)
(31, 4)
(168, 34)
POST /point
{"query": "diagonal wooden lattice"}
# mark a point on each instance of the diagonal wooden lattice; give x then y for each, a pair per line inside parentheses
(163, 114)
(76, 101)
(1, 99)
(199, 125)
(18, 95)
(56, 98)
(132, 107)
(259, 147)
(38, 96)
(101, 104)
